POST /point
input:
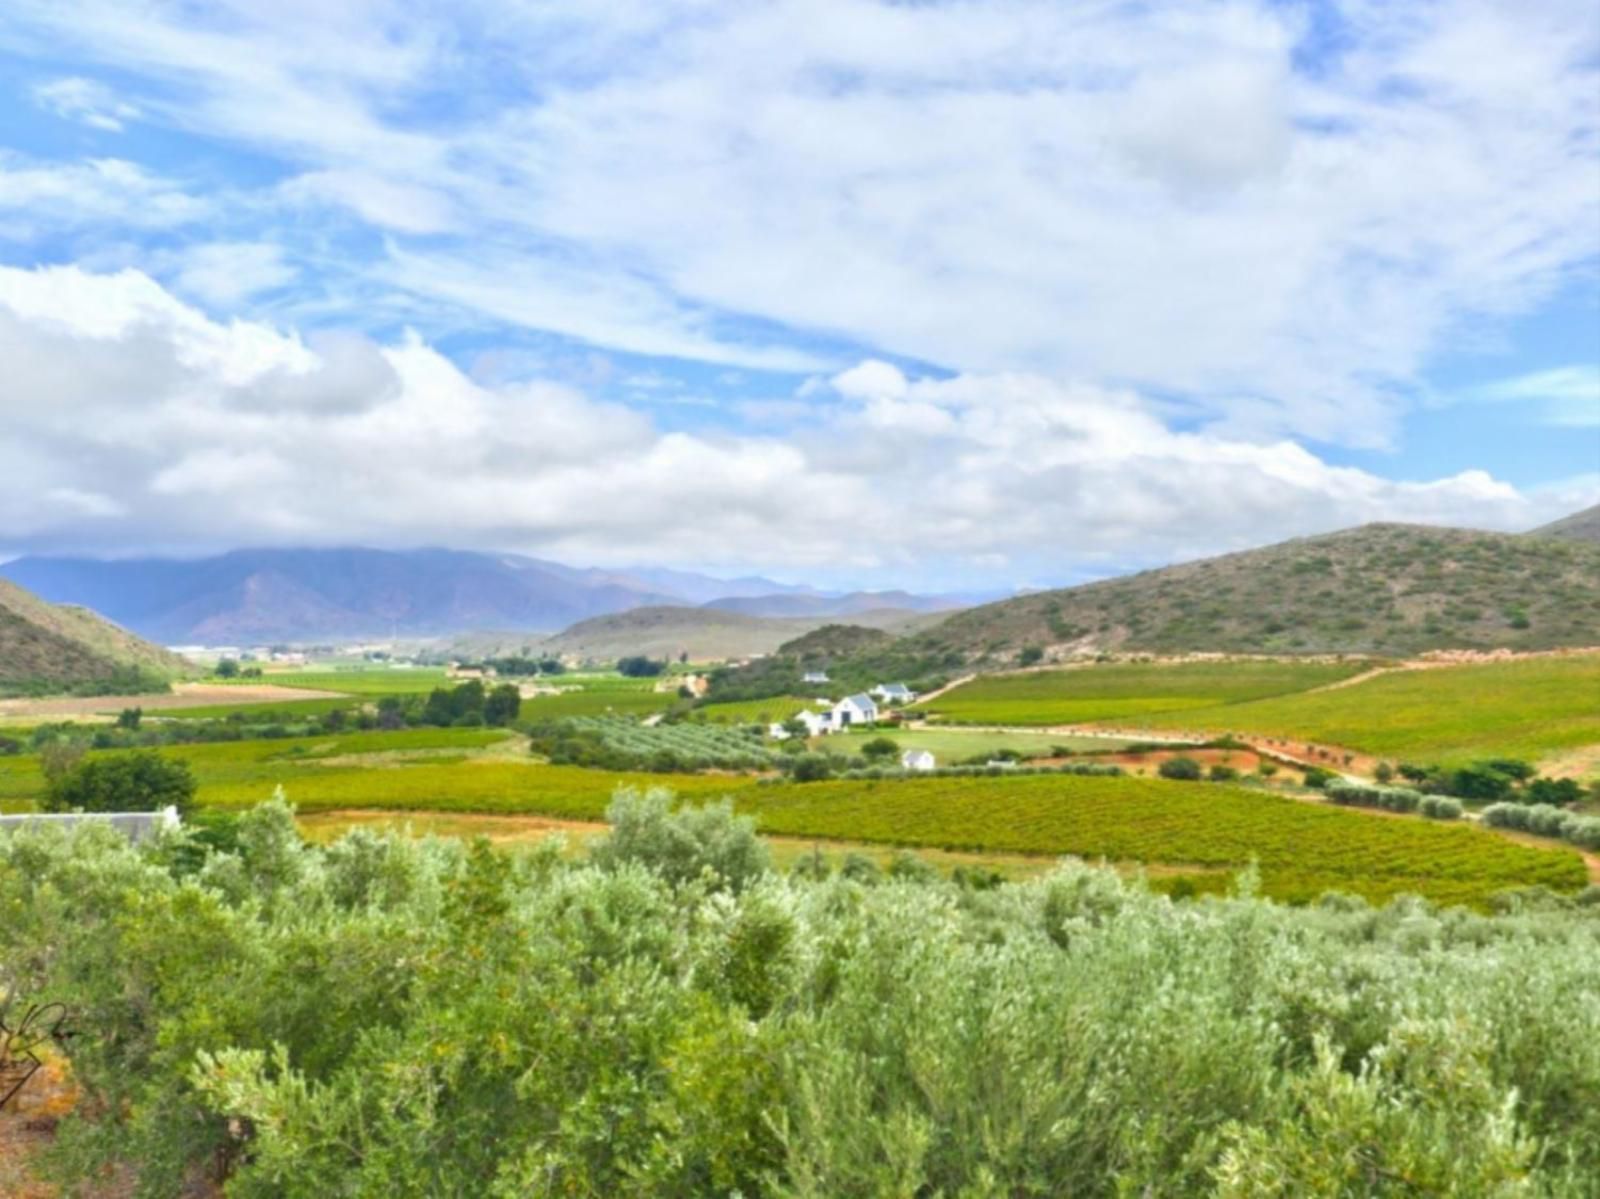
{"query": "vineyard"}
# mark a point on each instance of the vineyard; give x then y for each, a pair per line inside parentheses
(1444, 715)
(774, 710)
(600, 701)
(1126, 691)
(1302, 849)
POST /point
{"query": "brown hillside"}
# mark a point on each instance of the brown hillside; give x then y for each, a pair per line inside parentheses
(58, 645)
(1378, 589)
(1580, 526)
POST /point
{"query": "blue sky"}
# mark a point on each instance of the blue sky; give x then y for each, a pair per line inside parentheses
(945, 295)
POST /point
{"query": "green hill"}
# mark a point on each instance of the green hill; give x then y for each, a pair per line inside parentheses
(709, 634)
(1379, 589)
(48, 647)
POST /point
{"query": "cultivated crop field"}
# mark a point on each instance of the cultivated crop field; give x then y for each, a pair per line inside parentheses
(1448, 715)
(1302, 849)
(1126, 691)
(952, 745)
(775, 709)
(358, 680)
(701, 745)
(604, 701)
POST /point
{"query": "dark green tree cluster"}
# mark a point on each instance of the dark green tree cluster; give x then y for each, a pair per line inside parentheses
(142, 781)
(465, 705)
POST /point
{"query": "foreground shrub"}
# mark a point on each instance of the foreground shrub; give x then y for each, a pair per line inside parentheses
(420, 1018)
(708, 843)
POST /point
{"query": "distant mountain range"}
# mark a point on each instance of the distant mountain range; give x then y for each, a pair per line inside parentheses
(299, 595)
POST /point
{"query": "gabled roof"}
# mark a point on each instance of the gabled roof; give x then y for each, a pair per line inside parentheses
(860, 700)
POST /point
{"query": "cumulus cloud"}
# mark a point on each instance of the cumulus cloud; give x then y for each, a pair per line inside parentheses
(134, 420)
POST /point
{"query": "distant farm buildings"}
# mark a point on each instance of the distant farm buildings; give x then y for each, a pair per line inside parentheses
(894, 693)
(917, 759)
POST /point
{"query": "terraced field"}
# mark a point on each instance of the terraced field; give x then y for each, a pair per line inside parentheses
(1127, 691)
(1532, 708)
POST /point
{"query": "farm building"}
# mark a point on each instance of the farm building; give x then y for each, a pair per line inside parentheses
(854, 709)
(917, 759)
(814, 676)
(894, 693)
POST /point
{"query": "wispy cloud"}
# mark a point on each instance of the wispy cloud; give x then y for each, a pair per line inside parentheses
(1274, 223)
(77, 99)
(1567, 395)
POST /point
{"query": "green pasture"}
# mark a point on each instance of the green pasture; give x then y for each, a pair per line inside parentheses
(1448, 715)
(1130, 691)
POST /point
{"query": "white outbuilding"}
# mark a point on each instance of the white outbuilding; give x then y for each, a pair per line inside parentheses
(854, 709)
(917, 759)
(894, 693)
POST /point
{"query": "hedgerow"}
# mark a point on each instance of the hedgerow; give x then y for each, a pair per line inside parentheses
(1546, 821)
(389, 1017)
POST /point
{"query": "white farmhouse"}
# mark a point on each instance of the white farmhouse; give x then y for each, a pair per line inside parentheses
(854, 709)
(894, 693)
(814, 676)
(917, 759)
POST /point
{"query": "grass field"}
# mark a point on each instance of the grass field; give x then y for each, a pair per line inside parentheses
(1125, 691)
(1449, 715)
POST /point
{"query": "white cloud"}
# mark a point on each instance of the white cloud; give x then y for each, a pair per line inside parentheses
(226, 273)
(133, 419)
(1277, 224)
(398, 206)
(1567, 395)
(77, 99)
(38, 197)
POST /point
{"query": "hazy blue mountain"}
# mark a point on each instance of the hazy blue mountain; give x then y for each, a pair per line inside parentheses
(273, 595)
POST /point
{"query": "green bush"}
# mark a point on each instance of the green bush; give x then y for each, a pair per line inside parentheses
(418, 1018)
(141, 781)
(1179, 768)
